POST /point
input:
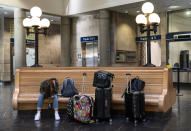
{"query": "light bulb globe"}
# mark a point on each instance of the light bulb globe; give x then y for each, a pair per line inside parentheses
(35, 11)
(154, 18)
(147, 7)
(44, 23)
(141, 19)
(27, 22)
(35, 21)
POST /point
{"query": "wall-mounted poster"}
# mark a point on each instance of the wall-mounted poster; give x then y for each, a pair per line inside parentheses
(30, 56)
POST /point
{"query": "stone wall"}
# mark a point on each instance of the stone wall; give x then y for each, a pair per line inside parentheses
(81, 27)
(123, 33)
(49, 47)
(1, 47)
(5, 59)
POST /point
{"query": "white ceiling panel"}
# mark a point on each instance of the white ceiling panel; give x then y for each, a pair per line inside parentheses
(160, 6)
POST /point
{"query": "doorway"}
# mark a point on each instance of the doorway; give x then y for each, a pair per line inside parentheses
(90, 54)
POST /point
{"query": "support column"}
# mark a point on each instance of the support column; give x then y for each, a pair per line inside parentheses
(104, 38)
(19, 39)
(1, 45)
(65, 41)
(163, 30)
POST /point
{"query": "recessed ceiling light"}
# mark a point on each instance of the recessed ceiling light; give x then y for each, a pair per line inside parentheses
(173, 7)
(5, 13)
(126, 11)
(188, 12)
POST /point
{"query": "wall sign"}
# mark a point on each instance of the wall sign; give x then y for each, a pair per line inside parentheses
(89, 39)
(144, 38)
(28, 42)
(179, 36)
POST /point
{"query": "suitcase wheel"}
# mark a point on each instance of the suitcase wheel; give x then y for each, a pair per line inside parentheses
(97, 120)
(144, 120)
(50, 106)
(110, 121)
(135, 122)
(127, 118)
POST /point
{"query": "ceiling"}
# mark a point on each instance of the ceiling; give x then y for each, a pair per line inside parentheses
(8, 12)
(131, 9)
(160, 6)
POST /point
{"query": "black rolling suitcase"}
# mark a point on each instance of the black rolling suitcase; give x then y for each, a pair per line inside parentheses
(103, 99)
(103, 95)
(134, 105)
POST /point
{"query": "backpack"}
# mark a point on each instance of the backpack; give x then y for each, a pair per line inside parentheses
(68, 89)
(82, 108)
(137, 84)
(49, 87)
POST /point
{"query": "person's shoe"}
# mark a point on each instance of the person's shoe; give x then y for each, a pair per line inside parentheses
(37, 117)
(57, 117)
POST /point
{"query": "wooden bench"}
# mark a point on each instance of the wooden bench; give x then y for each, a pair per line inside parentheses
(159, 92)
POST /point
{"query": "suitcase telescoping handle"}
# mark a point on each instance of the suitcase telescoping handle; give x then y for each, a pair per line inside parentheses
(128, 75)
(83, 82)
(127, 88)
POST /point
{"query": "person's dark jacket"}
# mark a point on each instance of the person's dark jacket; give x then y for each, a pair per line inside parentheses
(49, 87)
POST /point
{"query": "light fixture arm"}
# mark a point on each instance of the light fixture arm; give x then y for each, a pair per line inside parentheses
(45, 31)
(144, 28)
(28, 30)
(155, 28)
(40, 31)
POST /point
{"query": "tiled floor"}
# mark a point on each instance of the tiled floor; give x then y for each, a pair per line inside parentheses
(10, 120)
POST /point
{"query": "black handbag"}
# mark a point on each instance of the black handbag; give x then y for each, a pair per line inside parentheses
(102, 79)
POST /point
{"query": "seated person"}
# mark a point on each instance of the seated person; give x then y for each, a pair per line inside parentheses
(48, 88)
